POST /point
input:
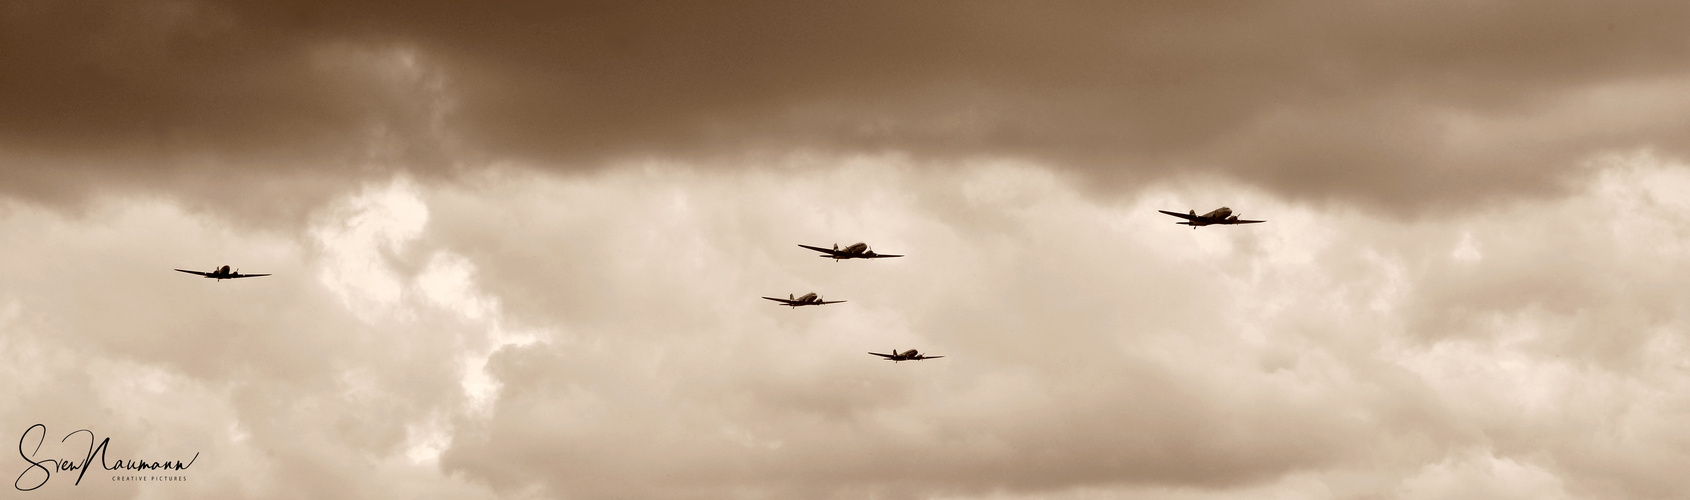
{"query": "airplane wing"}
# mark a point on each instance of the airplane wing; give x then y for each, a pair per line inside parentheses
(194, 272)
(1245, 221)
(819, 249)
(247, 276)
(825, 302)
(1180, 215)
(783, 301)
(887, 356)
(883, 256)
(931, 357)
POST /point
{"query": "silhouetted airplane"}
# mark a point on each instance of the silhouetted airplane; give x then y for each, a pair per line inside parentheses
(1221, 215)
(857, 251)
(223, 273)
(809, 299)
(910, 355)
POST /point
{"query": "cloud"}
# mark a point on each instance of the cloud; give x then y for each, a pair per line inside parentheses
(337, 377)
(1091, 346)
(517, 248)
(1482, 476)
(1402, 110)
(356, 241)
(528, 330)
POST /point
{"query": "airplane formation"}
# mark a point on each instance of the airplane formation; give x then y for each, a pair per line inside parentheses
(855, 251)
(1219, 216)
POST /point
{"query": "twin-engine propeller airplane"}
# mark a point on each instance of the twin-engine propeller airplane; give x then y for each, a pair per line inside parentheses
(809, 299)
(1221, 215)
(223, 273)
(910, 355)
(857, 251)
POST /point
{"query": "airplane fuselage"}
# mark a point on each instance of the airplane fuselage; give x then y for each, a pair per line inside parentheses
(1216, 216)
(220, 273)
(808, 299)
(854, 251)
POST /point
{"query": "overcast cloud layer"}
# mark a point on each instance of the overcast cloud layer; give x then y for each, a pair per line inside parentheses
(1402, 108)
(517, 251)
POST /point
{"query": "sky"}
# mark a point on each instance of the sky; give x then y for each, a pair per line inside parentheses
(517, 251)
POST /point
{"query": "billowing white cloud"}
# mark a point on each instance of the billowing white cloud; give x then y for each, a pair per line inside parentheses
(522, 334)
(1091, 343)
(357, 239)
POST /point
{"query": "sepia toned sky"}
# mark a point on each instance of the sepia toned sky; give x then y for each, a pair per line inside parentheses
(517, 250)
